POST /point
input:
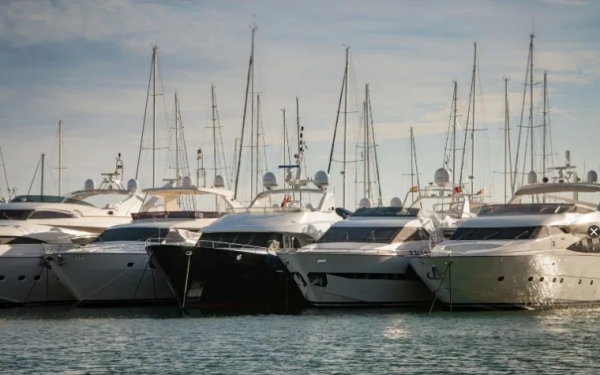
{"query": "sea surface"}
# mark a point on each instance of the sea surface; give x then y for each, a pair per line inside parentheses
(73, 341)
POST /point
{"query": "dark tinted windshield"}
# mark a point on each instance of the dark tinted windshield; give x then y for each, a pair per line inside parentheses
(529, 209)
(261, 239)
(373, 234)
(386, 211)
(48, 199)
(131, 234)
(15, 214)
(502, 233)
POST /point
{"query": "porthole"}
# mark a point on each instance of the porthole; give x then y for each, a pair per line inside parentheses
(21, 278)
(561, 279)
(36, 277)
(541, 279)
(579, 281)
(530, 279)
(501, 278)
(2, 277)
(130, 264)
(554, 280)
(591, 282)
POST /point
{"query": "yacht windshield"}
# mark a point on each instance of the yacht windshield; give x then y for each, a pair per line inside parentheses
(47, 199)
(526, 209)
(386, 211)
(499, 233)
(131, 234)
(373, 234)
(15, 214)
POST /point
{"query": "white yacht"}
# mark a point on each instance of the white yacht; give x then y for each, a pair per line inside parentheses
(533, 252)
(234, 265)
(21, 263)
(115, 267)
(362, 261)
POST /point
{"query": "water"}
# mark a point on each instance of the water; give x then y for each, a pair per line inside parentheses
(160, 341)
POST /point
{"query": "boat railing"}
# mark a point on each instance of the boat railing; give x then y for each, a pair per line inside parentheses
(265, 210)
(50, 248)
(231, 246)
(395, 252)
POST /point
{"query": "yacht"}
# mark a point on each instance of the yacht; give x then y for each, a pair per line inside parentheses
(115, 268)
(533, 252)
(24, 276)
(362, 261)
(234, 264)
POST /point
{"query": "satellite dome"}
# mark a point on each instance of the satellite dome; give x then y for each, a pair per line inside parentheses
(532, 177)
(275, 205)
(441, 177)
(396, 202)
(219, 182)
(592, 177)
(89, 184)
(309, 206)
(186, 182)
(132, 185)
(270, 180)
(364, 203)
(322, 179)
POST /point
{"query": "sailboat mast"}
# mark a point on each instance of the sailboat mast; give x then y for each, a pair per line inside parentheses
(154, 51)
(370, 110)
(253, 186)
(337, 116)
(345, 131)
(506, 136)
(239, 159)
(531, 99)
(257, 160)
(545, 125)
(299, 134)
(473, 120)
(454, 99)
(284, 144)
(176, 140)
(214, 126)
(59, 157)
(368, 141)
(412, 171)
(365, 145)
(43, 162)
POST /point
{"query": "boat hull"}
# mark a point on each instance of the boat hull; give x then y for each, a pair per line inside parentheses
(356, 279)
(227, 279)
(25, 278)
(105, 277)
(520, 281)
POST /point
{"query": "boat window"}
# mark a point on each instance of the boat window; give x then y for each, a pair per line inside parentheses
(411, 234)
(360, 234)
(15, 214)
(131, 234)
(499, 233)
(51, 215)
(7, 240)
(48, 199)
(386, 211)
(260, 239)
(528, 209)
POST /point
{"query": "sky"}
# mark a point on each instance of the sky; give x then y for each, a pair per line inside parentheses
(87, 64)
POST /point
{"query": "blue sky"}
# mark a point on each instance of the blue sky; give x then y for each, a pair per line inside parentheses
(87, 63)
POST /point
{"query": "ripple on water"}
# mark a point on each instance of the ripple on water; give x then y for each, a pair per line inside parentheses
(160, 341)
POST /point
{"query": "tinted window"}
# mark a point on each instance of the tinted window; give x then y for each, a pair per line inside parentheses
(15, 214)
(501, 233)
(260, 239)
(131, 234)
(50, 215)
(19, 241)
(365, 234)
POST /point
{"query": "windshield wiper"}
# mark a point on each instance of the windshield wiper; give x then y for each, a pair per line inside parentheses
(516, 238)
(464, 235)
(488, 236)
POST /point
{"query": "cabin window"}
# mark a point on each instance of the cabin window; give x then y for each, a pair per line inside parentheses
(15, 214)
(259, 239)
(412, 234)
(360, 234)
(50, 215)
(131, 234)
(499, 233)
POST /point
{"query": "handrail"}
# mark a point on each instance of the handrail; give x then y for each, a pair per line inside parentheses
(230, 245)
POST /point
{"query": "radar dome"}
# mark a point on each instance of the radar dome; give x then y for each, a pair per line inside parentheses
(592, 177)
(441, 177)
(532, 177)
(219, 182)
(364, 203)
(132, 185)
(270, 180)
(275, 205)
(186, 182)
(309, 206)
(89, 184)
(322, 179)
(396, 202)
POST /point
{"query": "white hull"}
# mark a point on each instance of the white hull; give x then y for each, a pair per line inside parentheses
(558, 278)
(355, 279)
(110, 277)
(24, 278)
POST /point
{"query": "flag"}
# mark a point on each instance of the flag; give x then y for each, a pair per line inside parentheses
(199, 154)
(414, 189)
(480, 192)
(457, 190)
